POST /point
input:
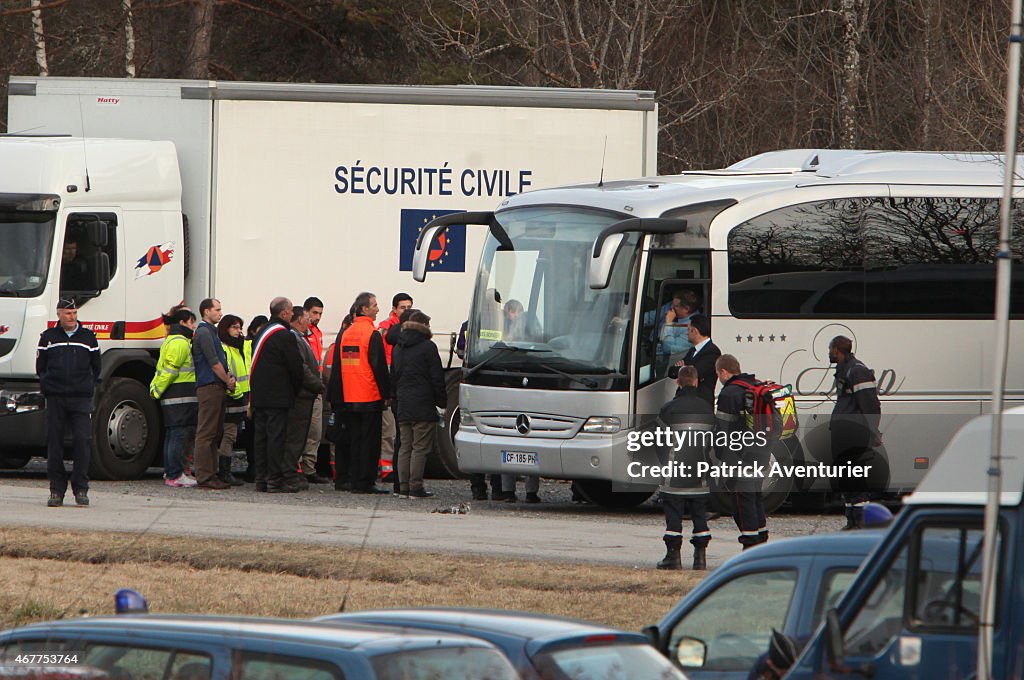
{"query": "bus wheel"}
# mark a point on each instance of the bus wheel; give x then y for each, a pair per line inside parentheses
(599, 492)
(449, 426)
(126, 431)
(14, 459)
(774, 490)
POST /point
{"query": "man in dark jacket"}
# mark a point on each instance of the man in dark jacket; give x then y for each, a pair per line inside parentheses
(688, 411)
(701, 356)
(731, 416)
(275, 378)
(68, 365)
(854, 424)
(417, 385)
(300, 415)
(213, 382)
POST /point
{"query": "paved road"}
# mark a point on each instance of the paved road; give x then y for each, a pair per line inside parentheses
(553, 530)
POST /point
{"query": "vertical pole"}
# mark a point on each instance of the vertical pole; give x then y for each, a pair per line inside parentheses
(1004, 262)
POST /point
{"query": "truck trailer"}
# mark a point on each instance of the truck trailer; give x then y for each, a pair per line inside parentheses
(178, 190)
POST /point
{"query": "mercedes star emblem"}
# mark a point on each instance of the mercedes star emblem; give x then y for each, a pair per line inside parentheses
(523, 423)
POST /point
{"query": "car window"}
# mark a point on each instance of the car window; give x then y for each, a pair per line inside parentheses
(733, 642)
(448, 663)
(258, 666)
(833, 584)
(880, 617)
(605, 662)
(946, 579)
(124, 662)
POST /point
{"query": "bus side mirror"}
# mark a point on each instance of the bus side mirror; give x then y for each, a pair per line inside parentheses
(601, 263)
(834, 639)
(422, 253)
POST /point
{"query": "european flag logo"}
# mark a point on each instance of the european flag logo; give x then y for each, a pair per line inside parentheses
(448, 253)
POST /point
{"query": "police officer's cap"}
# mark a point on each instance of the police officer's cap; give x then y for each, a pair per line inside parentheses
(66, 303)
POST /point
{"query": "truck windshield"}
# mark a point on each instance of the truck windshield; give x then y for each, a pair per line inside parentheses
(26, 239)
(535, 297)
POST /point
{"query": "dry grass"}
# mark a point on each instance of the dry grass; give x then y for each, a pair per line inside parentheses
(46, 573)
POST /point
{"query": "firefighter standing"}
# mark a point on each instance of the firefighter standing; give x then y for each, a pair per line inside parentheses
(854, 425)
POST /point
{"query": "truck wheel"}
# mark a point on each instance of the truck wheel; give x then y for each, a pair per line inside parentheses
(775, 491)
(449, 426)
(126, 431)
(599, 492)
(15, 459)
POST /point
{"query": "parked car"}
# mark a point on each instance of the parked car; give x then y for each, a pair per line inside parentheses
(539, 646)
(203, 647)
(724, 624)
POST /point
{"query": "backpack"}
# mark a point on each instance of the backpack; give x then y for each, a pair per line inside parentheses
(770, 408)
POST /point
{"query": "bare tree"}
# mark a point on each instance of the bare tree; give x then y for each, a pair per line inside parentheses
(129, 39)
(197, 56)
(39, 36)
(855, 14)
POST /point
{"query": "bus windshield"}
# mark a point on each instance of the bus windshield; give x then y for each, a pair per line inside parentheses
(533, 309)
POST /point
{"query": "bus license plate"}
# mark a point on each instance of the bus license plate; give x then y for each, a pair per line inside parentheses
(519, 458)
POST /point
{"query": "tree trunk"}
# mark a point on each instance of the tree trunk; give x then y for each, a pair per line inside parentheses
(854, 14)
(200, 37)
(129, 39)
(39, 37)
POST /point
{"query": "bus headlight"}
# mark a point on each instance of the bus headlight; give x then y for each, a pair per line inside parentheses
(466, 418)
(601, 425)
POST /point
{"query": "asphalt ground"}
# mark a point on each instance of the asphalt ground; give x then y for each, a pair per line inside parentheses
(556, 529)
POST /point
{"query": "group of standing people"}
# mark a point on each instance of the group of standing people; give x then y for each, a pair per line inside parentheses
(854, 430)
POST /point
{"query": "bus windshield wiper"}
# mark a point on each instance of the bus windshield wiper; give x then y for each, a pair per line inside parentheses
(501, 347)
(587, 382)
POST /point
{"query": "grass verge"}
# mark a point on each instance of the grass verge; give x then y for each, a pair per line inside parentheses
(47, 573)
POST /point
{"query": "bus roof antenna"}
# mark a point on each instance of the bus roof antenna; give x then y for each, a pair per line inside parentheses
(600, 182)
(85, 152)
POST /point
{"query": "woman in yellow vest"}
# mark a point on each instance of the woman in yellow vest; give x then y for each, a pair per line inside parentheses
(174, 384)
(230, 332)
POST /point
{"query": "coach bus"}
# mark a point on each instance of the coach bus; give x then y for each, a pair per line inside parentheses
(782, 251)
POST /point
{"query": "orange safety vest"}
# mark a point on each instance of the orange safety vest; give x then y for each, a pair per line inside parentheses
(357, 380)
(384, 327)
(316, 341)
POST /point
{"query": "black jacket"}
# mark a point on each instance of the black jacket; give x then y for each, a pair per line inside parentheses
(417, 379)
(704, 362)
(68, 366)
(312, 384)
(732, 404)
(276, 374)
(857, 402)
(687, 411)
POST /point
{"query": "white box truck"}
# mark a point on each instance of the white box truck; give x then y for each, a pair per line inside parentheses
(180, 190)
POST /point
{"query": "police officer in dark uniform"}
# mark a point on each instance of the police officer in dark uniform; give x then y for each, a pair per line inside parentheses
(854, 425)
(68, 365)
(687, 411)
(731, 416)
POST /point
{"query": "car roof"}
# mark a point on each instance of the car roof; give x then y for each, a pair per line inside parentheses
(841, 543)
(347, 636)
(522, 625)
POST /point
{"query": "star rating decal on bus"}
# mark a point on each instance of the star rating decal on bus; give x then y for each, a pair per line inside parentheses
(761, 338)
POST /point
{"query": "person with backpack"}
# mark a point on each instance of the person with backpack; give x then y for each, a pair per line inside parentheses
(742, 407)
(854, 425)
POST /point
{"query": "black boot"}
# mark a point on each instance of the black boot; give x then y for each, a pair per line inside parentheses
(224, 472)
(854, 518)
(672, 560)
(700, 558)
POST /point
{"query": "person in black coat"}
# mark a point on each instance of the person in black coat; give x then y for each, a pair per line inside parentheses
(417, 386)
(688, 411)
(701, 356)
(68, 366)
(275, 378)
(731, 418)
